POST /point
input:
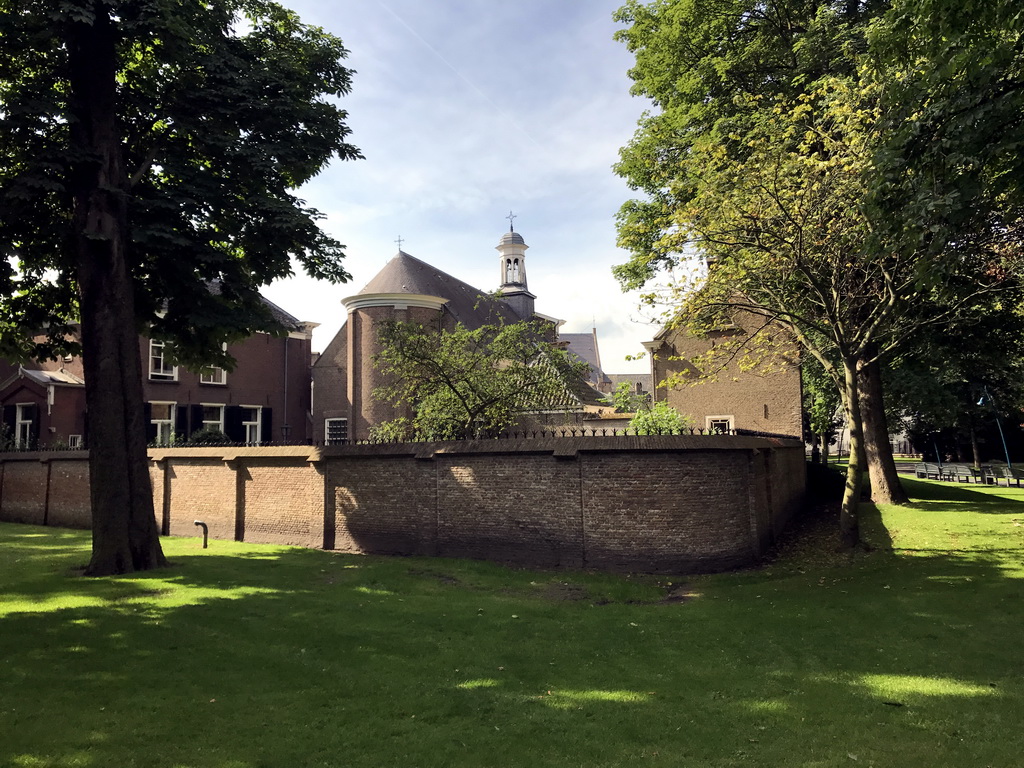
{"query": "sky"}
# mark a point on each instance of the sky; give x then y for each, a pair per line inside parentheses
(466, 111)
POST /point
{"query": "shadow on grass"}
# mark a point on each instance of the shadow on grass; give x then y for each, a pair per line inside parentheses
(249, 657)
(872, 529)
(926, 491)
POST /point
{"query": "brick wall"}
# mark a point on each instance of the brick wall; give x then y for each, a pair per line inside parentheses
(518, 507)
(68, 497)
(653, 504)
(765, 398)
(24, 490)
(384, 503)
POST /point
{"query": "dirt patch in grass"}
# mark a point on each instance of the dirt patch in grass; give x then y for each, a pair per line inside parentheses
(442, 578)
(564, 591)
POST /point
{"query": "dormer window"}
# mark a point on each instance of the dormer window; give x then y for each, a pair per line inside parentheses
(160, 367)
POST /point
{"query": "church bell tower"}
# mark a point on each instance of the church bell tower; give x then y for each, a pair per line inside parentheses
(512, 260)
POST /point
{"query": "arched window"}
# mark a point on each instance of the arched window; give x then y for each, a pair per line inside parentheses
(515, 271)
(508, 271)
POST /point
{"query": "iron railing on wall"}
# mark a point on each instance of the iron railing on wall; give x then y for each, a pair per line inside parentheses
(570, 432)
(518, 435)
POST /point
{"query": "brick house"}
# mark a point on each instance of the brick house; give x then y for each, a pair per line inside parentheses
(266, 398)
(765, 398)
(408, 289)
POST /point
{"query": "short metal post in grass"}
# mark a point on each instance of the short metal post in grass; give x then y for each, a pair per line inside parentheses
(206, 532)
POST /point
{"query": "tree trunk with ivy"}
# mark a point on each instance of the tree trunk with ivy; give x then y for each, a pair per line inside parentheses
(849, 514)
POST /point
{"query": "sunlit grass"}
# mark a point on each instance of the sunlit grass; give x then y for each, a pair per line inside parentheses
(246, 656)
(909, 686)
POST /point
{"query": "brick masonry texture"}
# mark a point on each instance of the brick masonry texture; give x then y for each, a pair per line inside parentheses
(24, 491)
(680, 504)
(383, 504)
(767, 398)
(521, 508)
(68, 498)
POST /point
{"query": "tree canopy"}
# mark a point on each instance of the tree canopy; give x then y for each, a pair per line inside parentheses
(223, 109)
(776, 154)
(149, 156)
(467, 383)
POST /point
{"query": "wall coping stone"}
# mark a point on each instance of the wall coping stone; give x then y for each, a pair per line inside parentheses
(235, 452)
(43, 456)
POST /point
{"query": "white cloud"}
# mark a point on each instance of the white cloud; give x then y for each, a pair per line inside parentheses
(465, 110)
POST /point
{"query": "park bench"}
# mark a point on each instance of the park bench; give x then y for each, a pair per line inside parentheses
(929, 470)
(959, 472)
(1008, 474)
(963, 473)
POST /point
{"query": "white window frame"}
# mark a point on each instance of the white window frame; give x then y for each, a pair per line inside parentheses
(164, 427)
(217, 424)
(158, 351)
(253, 429)
(21, 424)
(327, 431)
(729, 420)
(74, 442)
(213, 374)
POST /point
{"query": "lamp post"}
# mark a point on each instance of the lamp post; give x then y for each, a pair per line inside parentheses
(999, 422)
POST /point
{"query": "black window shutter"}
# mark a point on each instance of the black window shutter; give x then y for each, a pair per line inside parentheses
(10, 415)
(233, 424)
(267, 427)
(195, 421)
(147, 411)
(181, 422)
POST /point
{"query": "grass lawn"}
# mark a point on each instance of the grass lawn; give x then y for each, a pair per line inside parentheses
(243, 656)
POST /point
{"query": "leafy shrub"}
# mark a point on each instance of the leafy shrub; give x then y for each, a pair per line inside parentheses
(208, 436)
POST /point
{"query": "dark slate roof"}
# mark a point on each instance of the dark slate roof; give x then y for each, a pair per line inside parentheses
(584, 346)
(571, 396)
(289, 321)
(588, 395)
(468, 305)
(284, 318)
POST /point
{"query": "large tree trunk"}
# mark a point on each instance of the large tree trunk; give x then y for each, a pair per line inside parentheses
(124, 532)
(885, 482)
(849, 514)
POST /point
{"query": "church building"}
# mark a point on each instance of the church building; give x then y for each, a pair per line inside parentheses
(408, 289)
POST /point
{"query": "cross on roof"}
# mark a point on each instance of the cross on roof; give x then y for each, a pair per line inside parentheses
(511, 216)
(399, 241)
